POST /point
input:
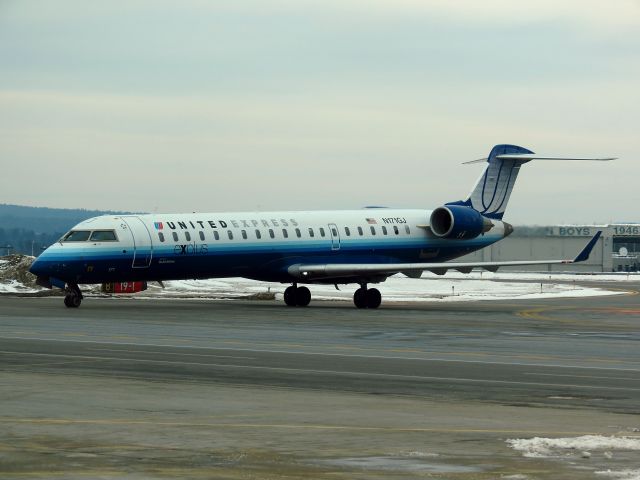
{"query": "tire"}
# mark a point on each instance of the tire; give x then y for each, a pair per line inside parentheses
(360, 298)
(303, 296)
(72, 301)
(290, 296)
(373, 298)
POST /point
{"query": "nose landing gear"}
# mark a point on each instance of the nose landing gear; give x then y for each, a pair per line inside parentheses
(73, 297)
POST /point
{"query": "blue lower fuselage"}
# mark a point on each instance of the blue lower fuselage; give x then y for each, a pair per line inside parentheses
(86, 265)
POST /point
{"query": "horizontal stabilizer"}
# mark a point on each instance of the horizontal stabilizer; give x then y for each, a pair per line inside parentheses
(533, 156)
(492, 191)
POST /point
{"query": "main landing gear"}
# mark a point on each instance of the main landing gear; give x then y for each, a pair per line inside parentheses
(364, 297)
(295, 296)
(367, 297)
(73, 297)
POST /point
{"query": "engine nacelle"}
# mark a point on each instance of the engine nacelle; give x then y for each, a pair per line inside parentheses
(458, 222)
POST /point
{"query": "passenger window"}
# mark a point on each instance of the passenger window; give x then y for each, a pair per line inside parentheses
(161, 236)
(384, 230)
(258, 234)
(373, 230)
(244, 234)
(202, 235)
(321, 232)
(298, 234)
(77, 236)
(104, 236)
(271, 234)
(216, 235)
(187, 235)
(360, 232)
(175, 236)
(230, 233)
(311, 234)
(334, 232)
(347, 231)
(407, 229)
(285, 234)
(395, 230)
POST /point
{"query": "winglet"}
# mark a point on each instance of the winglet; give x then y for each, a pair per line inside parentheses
(586, 251)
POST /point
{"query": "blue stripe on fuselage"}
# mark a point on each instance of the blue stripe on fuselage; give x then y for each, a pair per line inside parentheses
(253, 259)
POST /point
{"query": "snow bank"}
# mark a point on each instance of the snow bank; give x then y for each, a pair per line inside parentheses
(15, 276)
(539, 447)
(13, 286)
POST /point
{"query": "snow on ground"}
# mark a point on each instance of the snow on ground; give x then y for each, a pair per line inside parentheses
(553, 276)
(452, 287)
(539, 447)
(429, 288)
(620, 474)
(14, 286)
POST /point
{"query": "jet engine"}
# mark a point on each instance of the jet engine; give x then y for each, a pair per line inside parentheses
(458, 222)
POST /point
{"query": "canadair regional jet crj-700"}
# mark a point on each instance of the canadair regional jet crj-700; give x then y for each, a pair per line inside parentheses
(332, 247)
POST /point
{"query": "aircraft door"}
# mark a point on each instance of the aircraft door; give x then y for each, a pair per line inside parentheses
(335, 236)
(142, 244)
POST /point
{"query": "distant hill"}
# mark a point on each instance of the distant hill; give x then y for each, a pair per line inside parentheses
(23, 227)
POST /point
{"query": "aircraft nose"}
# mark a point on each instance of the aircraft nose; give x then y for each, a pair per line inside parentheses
(42, 266)
(37, 268)
(46, 272)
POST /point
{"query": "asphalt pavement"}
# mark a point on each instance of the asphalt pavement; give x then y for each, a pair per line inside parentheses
(149, 388)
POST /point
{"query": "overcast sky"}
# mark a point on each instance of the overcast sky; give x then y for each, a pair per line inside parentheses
(292, 104)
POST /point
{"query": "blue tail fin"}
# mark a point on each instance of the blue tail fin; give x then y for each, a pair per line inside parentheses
(493, 189)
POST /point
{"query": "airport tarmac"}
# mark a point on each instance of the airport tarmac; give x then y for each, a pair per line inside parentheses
(148, 388)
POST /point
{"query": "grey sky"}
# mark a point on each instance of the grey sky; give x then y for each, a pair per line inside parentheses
(243, 105)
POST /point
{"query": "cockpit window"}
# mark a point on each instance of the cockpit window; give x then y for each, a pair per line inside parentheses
(103, 236)
(77, 236)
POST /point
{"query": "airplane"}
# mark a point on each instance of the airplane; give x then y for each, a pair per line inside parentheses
(300, 248)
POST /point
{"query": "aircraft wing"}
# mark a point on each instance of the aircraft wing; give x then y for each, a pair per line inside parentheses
(338, 270)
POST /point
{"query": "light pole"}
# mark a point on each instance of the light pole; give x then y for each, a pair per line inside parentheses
(8, 248)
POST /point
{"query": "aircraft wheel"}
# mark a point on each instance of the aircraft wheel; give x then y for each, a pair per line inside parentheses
(373, 298)
(72, 301)
(76, 300)
(303, 296)
(290, 296)
(360, 298)
(73, 298)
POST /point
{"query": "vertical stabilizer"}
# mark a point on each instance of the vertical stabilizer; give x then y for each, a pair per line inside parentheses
(493, 189)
